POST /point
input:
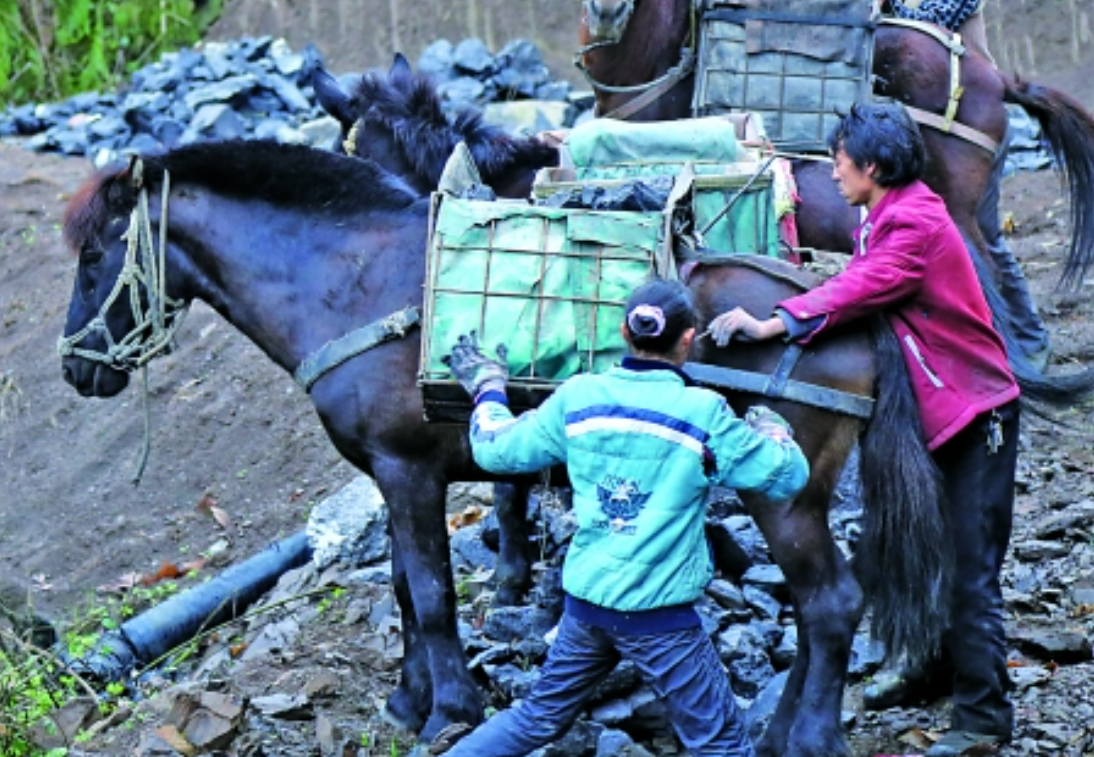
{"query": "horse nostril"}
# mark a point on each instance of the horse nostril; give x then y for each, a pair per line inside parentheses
(66, 372)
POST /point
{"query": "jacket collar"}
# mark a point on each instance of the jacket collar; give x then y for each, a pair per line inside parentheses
(639, 364)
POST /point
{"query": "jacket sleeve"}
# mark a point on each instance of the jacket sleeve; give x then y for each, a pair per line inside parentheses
(504, 443)
(749, 461)
(892, 270)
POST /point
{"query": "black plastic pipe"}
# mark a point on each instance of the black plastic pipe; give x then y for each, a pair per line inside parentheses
(158, 630)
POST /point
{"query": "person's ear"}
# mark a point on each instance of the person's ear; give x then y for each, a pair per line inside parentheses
(686, 339)
(623, 331)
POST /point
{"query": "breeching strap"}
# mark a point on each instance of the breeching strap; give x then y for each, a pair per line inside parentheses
(947, 122)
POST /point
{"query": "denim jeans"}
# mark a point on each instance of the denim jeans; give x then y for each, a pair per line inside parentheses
(1022, 313)
(681, 666)
(980, 496)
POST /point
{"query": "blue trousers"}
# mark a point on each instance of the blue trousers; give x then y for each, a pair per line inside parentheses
(681, 666)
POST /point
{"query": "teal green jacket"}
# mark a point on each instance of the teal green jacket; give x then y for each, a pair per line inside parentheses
(642, 449)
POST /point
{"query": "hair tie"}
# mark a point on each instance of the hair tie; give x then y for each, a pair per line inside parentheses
(646, 311)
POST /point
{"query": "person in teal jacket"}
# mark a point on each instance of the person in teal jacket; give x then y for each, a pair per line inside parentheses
(642, 446)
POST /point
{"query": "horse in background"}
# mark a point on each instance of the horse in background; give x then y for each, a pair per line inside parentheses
(627, 43)
(397, 120)
(296, 247)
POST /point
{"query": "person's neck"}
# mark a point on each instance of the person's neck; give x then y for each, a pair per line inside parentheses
(876, 196)
(672, 360)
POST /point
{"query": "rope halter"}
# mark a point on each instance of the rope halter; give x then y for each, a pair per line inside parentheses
(158, 317)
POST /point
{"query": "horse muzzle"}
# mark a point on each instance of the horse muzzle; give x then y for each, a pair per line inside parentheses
(93, 379)
(607, 21)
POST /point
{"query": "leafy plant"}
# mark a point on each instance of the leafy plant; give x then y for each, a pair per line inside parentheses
(51, 49)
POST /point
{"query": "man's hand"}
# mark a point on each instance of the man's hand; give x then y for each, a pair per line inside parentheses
(474, 370)
(738, 321)
(766, 421)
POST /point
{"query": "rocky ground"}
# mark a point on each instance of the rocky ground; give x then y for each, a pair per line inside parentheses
(239, 460)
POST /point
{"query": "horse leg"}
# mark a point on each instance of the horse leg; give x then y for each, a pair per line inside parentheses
(410, 703)
(415, 492)
(514, 571)
(829, 606)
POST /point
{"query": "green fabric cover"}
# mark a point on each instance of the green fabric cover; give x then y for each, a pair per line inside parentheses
(606, 148)
(549, 283)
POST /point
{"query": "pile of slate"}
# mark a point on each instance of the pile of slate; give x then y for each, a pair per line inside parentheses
(258, 88)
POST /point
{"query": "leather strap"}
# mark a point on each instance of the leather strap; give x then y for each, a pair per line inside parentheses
(823, 397)
(978, 138)
(739, 17)
(337, 351)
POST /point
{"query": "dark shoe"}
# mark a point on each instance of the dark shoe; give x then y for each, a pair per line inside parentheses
(904, 687)
(965, 743)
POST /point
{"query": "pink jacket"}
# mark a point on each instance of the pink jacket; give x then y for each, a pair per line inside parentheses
(911, 262)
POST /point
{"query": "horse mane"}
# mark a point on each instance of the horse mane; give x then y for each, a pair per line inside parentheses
(406, 104)
(291, 176)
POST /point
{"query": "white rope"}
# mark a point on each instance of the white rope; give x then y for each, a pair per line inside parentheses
(155, 322)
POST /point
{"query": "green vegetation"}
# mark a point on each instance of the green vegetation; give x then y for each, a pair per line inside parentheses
(52, 49)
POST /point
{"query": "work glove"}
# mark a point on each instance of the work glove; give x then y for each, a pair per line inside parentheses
(766, 421)
(476, 372)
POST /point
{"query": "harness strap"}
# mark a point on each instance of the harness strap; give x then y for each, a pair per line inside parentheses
(946, 123)
(651, 90)
(978, 138)
(656, 88)
(776, 383)
(823, 397)
(337, 351)
(740, 16)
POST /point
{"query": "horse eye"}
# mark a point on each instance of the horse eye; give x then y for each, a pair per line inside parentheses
(90, 255)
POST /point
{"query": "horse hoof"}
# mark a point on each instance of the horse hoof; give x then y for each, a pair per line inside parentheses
(393, 715)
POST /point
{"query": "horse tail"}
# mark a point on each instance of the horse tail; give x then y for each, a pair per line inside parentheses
(903, 560)
(1070, 132)
(1061, 391)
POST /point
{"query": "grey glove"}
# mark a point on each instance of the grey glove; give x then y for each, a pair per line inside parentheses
(474, 370)
(766, 421)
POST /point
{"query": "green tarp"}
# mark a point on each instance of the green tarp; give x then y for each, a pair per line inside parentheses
(606, 148)
(550, 283)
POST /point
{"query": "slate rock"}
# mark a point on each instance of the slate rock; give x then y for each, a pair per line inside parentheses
(472, 56)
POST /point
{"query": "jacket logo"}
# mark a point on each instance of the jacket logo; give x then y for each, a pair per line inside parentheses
(621, 501)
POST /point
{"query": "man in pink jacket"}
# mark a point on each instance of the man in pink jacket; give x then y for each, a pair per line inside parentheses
(911, 263)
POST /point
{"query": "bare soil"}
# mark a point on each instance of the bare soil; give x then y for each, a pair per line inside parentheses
(226, 423)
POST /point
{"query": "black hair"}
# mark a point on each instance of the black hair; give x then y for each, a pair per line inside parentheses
(658, 314)
(884, 135)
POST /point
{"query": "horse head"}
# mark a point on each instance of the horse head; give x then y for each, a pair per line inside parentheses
(606, 20)
(120, 315)
(398, 120)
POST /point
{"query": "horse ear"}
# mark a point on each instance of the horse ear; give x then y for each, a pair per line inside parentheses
(331, 96)
(400, 66)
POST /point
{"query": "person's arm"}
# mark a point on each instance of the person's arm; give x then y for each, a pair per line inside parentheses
(757, 454)
(500, 442)
(892, 270)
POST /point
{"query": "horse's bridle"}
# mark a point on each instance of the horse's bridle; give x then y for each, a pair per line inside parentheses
(157, 317)
(650, 91)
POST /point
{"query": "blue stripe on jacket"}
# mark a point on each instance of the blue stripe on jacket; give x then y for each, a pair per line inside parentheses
(638, 414)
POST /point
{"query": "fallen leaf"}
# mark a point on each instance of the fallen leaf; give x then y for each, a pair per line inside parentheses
(168, 571)
(209, 506)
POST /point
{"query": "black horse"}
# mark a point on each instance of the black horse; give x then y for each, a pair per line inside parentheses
(297, 247)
